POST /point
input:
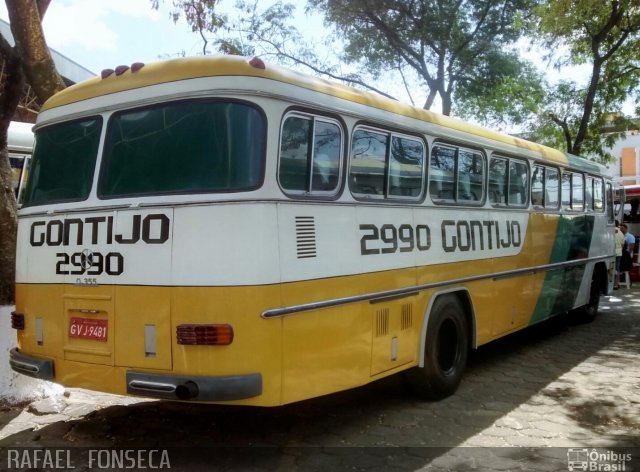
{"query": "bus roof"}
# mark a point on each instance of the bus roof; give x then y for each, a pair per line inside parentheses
(214, 66)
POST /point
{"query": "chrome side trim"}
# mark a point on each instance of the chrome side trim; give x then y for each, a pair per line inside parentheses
(408, 291)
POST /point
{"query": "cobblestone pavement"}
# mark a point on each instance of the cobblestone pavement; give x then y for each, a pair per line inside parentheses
(523, 402)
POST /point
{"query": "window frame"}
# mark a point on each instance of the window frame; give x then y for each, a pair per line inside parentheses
(545, 203)
(310, 193)
(101, 121)
(105, 148)
(594, 181)
(526, 186)
(386, 196)
(570, 207)
(456, 181)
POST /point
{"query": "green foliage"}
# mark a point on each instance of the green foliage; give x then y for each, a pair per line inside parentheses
(510, 94)
(451, 50)
(454, 47)
(603, 35)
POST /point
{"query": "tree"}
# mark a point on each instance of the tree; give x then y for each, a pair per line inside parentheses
(457, 49)
(605, 36)
(28, 60)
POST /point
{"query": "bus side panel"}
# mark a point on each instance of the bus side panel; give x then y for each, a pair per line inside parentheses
(256, 345)
(510, 312)
(571, 240)
(332, 349)
(225, 271)
(316, 243)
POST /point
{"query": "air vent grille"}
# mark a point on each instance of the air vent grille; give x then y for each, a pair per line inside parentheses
(305, 237)
(406, 316)
(382, 322)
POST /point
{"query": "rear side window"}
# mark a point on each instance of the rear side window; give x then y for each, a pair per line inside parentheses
(63, 162)
(310, 155)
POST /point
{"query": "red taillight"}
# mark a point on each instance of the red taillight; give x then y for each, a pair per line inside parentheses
(205, 334)
(17, 320)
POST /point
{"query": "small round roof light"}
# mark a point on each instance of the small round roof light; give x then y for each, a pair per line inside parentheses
(136, 66)
(257, 63)
(121, 70)
(106, 73)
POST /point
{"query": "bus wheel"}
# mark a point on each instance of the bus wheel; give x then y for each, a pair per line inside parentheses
(588, 312)
(446, 349)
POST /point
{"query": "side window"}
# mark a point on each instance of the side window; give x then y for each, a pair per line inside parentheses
(566, 190)
(551, 188)
(508, 182)
(442, 177)
(518, 183)
(406, 163)
(386, 165)
(498, 181)
(368, 150)
(310, 155)
(577, 192)
(537, 186)
(456, 175)
(470, 176)
(588, 192)
(572, 191)
(610, 209)
(598, 195)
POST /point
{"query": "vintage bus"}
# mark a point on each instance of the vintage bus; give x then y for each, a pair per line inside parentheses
(219, 230)
(20, 147)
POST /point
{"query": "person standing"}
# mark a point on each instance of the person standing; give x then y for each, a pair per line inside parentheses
(619, 244)
(629, 238)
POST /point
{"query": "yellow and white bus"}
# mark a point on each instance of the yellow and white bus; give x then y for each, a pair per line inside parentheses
(215, 229)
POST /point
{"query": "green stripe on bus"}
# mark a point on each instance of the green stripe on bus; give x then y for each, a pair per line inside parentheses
(560, 288)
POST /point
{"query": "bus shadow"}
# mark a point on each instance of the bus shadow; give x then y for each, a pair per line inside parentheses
(527, 389)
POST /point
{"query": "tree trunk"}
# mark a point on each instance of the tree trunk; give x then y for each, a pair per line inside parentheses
(8, 227)
(40, 71)
(11, 87)
(30, 57)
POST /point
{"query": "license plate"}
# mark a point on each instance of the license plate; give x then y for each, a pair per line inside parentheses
(88, 328)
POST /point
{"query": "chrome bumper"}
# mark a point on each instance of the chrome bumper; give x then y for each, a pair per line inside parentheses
(31, 366)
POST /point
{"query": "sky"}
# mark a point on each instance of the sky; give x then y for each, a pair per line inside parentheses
(102, 34)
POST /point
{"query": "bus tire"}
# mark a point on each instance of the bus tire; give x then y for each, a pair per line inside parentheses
(588, 312)
(446, 350)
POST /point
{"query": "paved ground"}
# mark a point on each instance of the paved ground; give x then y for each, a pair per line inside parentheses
(523, 402)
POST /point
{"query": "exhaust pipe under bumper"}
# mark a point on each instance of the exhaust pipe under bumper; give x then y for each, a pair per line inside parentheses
(197, 388)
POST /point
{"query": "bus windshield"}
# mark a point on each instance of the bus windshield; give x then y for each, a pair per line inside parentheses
(183, 147)
(63, 162)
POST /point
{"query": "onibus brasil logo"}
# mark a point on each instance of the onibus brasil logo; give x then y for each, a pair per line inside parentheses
(597, 460)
